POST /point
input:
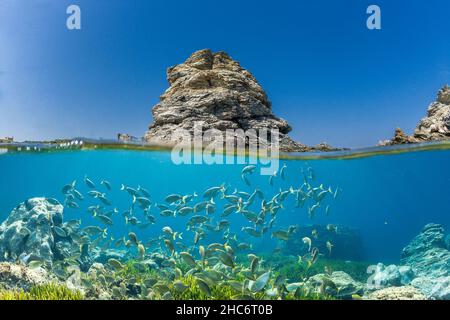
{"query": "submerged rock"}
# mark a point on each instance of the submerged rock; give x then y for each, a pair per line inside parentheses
(389, 276)
(433, 288)
(396, 293)
(339, 284)
(429, 257)
(436, 125)
(27, 232)
(427, 253)
(347, 244)
(213, 91)
(30, 233)
(15, 276)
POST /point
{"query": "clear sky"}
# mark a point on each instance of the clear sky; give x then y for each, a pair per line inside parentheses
(324, 71)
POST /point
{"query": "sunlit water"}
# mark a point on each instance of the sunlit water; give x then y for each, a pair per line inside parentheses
(387, 199)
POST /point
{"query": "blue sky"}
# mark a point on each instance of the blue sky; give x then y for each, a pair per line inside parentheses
(324, 71)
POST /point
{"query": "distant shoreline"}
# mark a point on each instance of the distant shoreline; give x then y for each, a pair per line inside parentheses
(92, 144)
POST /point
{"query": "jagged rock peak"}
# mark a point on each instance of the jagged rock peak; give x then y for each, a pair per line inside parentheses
(435, 126)
(213, 91)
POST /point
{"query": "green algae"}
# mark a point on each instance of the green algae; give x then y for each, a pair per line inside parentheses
(49, 291)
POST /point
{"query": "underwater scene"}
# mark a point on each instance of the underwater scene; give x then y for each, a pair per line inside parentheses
(117, 223)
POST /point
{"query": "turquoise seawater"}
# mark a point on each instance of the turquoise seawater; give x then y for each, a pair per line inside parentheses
(385, 199)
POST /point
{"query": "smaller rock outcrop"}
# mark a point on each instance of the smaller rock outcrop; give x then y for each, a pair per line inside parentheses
(434, 127)
(399, 138)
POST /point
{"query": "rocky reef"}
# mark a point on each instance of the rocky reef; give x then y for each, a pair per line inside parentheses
(435, 126)
(212, 91)
(425, 265)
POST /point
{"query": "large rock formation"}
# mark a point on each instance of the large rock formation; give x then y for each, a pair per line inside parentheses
(212, 91)
(435, 126)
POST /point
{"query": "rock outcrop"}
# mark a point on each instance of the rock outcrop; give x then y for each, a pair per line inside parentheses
(435, 126)
(399, 138)
(212, 91)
